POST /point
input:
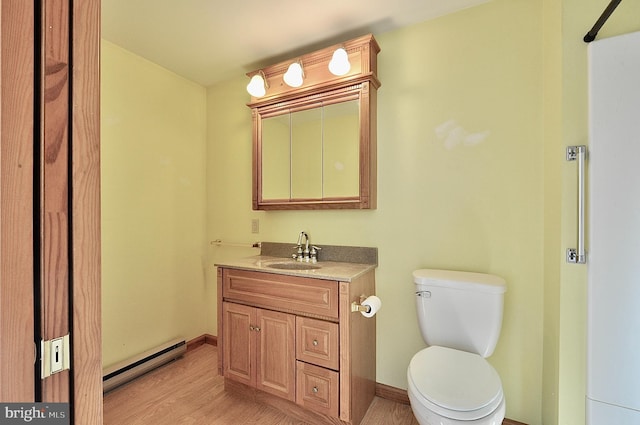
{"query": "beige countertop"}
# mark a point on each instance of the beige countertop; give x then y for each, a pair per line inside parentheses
(328, 270)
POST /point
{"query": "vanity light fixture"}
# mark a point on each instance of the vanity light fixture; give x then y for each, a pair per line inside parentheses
(294, 75)
(339, 64)
(258, 85)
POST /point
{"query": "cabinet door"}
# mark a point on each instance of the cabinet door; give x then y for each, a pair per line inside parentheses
(276, 354)
(239, 345)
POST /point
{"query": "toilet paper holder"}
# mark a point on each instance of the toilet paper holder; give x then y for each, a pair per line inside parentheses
(357, 307)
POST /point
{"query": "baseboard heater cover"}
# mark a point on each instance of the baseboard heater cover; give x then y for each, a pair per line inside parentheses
(127, 370)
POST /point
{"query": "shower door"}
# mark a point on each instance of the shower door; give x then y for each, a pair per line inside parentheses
(613, 376)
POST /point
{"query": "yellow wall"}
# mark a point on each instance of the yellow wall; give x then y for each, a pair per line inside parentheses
(553, 163)
(460, 166)
(473, 116)
(153, 205)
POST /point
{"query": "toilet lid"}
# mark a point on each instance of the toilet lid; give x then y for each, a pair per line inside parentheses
(454, 383)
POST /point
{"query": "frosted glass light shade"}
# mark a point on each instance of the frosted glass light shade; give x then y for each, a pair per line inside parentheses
(339, 64)
(294, 75)
(257, 86)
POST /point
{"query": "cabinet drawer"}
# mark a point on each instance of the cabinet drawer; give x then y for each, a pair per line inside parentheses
(282, 292)
(317, 342)
(317, 389)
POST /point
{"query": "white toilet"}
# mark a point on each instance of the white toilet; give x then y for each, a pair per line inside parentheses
(460, 316)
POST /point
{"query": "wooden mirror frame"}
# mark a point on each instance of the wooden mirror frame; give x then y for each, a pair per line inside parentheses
(319, 85)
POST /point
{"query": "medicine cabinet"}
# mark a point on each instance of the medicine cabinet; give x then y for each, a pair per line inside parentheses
(314, 146)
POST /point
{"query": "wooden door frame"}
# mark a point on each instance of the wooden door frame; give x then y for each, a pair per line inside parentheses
(85, 213)
(17, 35)
(52, 180)
(17, 383)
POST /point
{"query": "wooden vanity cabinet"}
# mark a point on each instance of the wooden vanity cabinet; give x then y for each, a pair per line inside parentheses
(295, 338)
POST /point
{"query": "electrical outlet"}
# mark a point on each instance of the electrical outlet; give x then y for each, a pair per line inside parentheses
(255, 225)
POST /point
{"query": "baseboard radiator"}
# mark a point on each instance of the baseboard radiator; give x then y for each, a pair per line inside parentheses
(127, 370)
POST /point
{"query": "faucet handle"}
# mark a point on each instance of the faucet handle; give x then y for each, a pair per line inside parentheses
(314, 253)
(298, 255)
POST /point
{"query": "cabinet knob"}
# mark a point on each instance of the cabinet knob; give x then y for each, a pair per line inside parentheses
(257, 328)
(314, 390)
(252, 328)
(315, 342)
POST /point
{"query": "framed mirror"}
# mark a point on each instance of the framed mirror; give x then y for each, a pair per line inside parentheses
(315, 148)
(315, 153)
(312, 153)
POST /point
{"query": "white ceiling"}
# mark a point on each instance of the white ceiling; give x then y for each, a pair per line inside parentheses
(208, 41)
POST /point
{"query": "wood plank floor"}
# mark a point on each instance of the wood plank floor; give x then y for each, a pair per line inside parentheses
(190, 391)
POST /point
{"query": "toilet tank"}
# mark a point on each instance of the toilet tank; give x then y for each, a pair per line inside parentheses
(460, 310)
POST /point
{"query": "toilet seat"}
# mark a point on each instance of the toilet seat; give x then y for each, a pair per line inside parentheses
(455, 384)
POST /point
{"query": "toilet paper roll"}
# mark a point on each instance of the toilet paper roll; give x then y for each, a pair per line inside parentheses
(374, 303)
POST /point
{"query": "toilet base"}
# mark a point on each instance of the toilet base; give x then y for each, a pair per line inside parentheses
(425, 416)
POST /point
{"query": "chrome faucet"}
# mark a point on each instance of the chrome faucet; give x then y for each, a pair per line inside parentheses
(308, 253)
(302, 255)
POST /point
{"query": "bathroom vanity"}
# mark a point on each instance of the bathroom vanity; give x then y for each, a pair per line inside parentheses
(287, 336)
